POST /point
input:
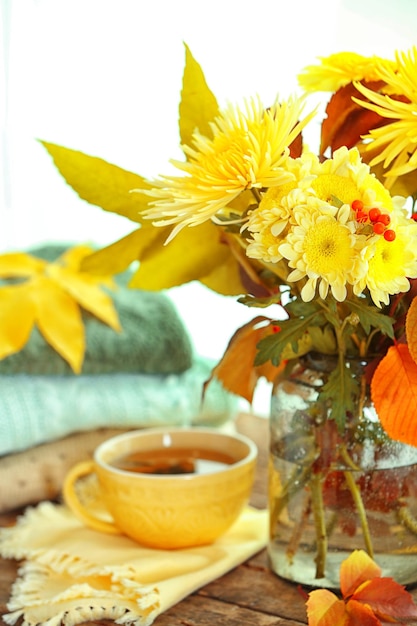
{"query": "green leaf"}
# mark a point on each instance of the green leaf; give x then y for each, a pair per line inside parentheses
(292, 332)
(369, 318)
(340, 391)
(260, 303)
(101, 183)
(198, 105)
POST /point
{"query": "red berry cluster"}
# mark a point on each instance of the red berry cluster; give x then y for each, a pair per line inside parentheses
(378, 220)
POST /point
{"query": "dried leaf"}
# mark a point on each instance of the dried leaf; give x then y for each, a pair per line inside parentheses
(355, 570)
(394, 393)
(236, 369)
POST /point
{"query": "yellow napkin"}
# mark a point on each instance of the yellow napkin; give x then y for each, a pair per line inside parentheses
(72, 574)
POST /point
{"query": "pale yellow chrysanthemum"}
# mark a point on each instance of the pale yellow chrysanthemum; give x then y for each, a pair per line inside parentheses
(346, 177)
(269, 220)
(323, 249)
(340, 69)
(390, 263)
(314, 226)
(249, 149)
(396, 140)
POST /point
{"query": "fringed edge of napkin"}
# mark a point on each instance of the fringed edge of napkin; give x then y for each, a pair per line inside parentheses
(130, 603)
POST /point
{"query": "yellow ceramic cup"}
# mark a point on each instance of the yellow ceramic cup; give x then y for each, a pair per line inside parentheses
(167, 511)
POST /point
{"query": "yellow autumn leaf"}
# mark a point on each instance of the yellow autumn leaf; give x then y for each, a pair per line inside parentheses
(88, 294)
(99, 182)
(73, 259)
(198, 106)
(50, 298)
(325, 609)
(119, 255)
(193, 254)
(355, 570)
(17, 317)
(15, 264)
(225, 278)
(58, 317)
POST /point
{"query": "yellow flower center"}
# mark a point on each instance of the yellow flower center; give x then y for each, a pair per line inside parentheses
(388, 261)
(329, 186)
(327, 247)
(229, 158)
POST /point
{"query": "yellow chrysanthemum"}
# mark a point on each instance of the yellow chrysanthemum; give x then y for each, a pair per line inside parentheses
(340, 69)
(397, 140)
(321, 225)
(346, 177)
(248, 150)
(390, 263)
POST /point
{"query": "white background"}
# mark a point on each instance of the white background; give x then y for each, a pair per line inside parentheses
(104, 76)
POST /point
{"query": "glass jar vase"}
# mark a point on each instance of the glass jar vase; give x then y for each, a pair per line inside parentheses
(331, 492)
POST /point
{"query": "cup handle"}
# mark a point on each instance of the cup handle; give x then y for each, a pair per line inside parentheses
(77, 507)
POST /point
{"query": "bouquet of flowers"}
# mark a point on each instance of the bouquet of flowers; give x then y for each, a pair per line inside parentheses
(327, 237)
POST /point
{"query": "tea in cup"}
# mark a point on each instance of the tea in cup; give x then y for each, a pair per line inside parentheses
(167, 488)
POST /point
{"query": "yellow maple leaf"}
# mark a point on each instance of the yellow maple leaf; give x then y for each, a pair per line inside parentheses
(196, 253)
(51, 297)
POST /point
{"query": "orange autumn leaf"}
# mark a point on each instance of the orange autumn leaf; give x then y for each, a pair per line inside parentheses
(346, 121)
(51, 297)
(368, 598)
(359, 614)
(325, 609)
(411, 329)
(355, 570)
(388, 600)
(394, 394)
(236, 369)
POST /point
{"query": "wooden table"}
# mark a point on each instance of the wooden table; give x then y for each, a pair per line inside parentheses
(250, 594)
